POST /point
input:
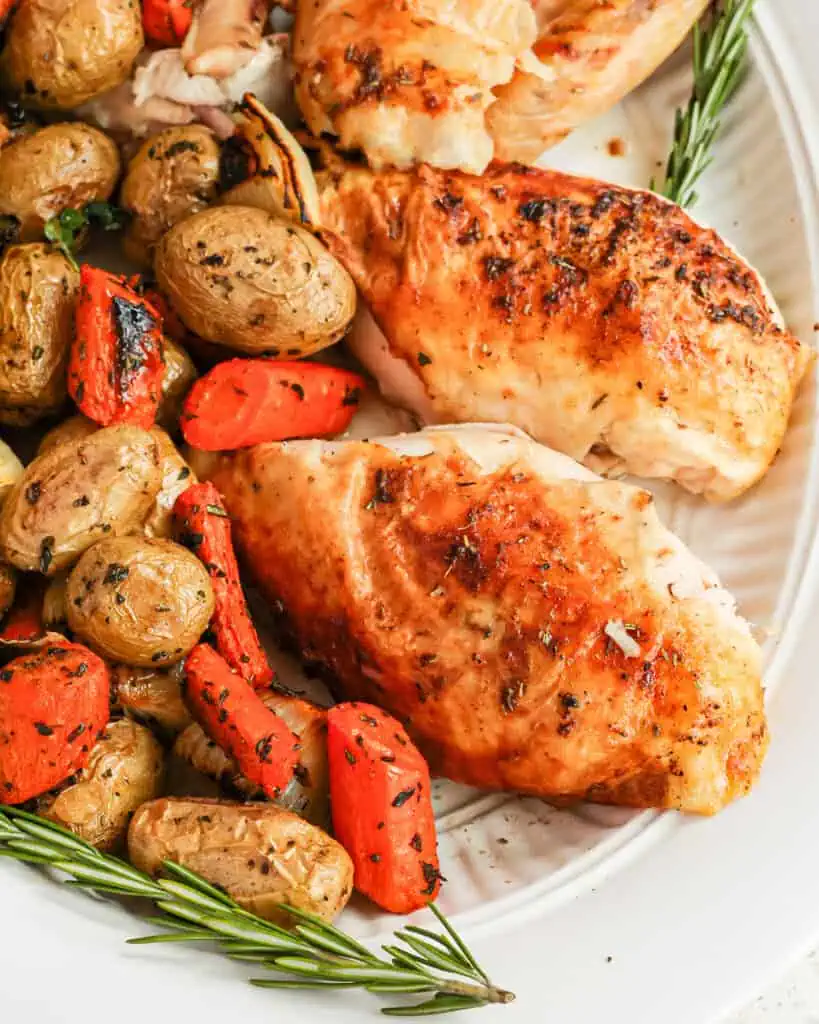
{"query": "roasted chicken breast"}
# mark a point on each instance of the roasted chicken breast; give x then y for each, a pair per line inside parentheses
(535, 626)
(589, 55)
(454, 82)
(603, 321)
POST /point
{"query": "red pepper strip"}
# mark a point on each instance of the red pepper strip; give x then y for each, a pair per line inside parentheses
(233, 715)
(115, 369)
(249, 401)
(171, 324)
(166, 22)
(382, 810)
(203, 525)
(52, 706)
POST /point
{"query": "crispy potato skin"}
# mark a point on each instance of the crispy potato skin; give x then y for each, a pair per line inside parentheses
(180, 373)
(60, 54)
(38, 290)
(77, 493)
(126, 769)
(139, 601)
(152, 695)
(241, 278)
(60, 166)
(171, 176)
(177, 476)
(262, 855)
(308, 793)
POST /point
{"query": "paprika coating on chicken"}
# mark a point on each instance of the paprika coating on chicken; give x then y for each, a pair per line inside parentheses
(601, 320)
(534, 626)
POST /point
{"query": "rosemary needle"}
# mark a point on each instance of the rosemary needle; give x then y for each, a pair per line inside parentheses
(313, 954)
(720, 44)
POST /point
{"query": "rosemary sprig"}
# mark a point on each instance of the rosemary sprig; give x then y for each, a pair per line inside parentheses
(720, 46)
(67, 229)
(314, 954)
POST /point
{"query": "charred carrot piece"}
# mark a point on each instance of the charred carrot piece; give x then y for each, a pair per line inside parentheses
(233, 715)
(202, 524)
(166, 22)
(115, 367)
(382, 809)
(52, 706)
(249, 401)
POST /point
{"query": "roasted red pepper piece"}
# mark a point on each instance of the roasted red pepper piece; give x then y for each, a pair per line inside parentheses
(115, 369)
(249, 401)
(172, 326)
(233, 715)
(382, 809)
(166, 22)
(52, 706)
(202, 524)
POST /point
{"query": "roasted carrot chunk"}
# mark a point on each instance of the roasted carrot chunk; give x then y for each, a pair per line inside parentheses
(249, 401)
(203, 525)
(382, 808)
(52, 706)
(233, 715)
(115, 368)
(24, 621)
(166, 22)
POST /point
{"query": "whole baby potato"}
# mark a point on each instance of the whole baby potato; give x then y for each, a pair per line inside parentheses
(239, 277)
(76, 493)
(125, 769)
(57, 167)
(38, 291)
(139, 601)
(260, 854)
(172, 175)
(61, 53)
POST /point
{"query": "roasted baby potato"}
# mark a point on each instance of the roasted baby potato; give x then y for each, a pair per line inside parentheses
(180, 373)
(308, 792)
(55, 614)
(152, 695)
(11, 469)
(125, 770)
(60, 166)
(72, 429)
(241, 278)
(139, 601)
(172, 175)
(260, 854)
(60, 54)
(176, 478)
(75, 494)
(38, 290)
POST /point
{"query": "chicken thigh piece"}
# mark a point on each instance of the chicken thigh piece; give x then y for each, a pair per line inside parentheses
(589, 56)
(453, 83)
(601, 320)
(535, 626)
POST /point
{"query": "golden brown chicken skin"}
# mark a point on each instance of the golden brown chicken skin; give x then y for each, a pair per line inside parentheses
(535, 627)
(602, 320)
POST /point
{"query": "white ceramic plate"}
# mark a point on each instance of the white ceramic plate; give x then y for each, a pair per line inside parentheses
(595, 913)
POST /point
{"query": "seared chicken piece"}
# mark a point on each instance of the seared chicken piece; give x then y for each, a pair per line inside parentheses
(162, 93)
(224, 36)
(589, 56)
(535, 627)
(453, 82)
(408, 82)
(601, 320)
